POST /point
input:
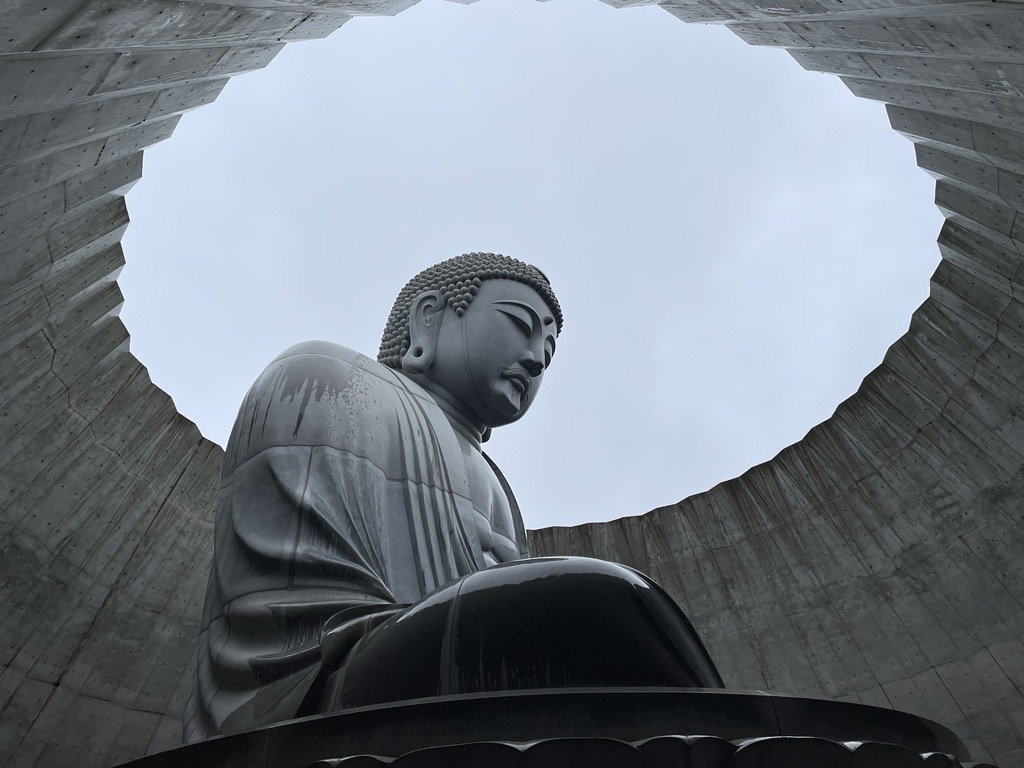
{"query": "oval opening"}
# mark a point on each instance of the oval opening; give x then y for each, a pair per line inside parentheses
(735, 241)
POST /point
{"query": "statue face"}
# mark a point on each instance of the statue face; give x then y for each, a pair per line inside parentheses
(492, 359)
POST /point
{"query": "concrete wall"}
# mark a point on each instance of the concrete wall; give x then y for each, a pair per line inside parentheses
(877, 560)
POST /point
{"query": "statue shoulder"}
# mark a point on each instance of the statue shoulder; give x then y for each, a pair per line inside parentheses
(314, 393)
(319, 348)
(312, 370)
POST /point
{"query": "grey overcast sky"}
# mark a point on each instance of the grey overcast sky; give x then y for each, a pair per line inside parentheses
(735, 241)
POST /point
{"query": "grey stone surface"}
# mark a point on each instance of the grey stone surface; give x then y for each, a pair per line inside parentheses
(875, 560)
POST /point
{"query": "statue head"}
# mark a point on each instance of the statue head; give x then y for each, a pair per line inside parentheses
(478, 330)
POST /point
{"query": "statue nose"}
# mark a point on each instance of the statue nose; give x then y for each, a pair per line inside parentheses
(531, 364)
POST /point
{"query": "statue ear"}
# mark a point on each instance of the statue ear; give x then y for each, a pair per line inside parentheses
(424, 325)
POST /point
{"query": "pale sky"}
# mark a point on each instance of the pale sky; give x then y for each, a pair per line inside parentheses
(735, 242)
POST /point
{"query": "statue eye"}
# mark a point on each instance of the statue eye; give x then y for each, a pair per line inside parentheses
(521, 324)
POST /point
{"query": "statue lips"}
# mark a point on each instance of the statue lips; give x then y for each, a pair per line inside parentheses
(520, 379)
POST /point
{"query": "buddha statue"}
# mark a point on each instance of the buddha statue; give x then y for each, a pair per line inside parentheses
(359, 524)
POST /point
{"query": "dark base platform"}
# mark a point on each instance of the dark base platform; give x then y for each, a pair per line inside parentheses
(624, 728)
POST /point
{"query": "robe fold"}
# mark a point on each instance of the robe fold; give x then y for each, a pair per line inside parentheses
(344, 488)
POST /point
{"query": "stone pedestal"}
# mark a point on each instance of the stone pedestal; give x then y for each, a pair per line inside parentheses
(620, 728)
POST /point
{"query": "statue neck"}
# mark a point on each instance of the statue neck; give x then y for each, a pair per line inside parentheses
(470, 428)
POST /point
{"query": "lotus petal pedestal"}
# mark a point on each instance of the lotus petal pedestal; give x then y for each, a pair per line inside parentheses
(621, 727)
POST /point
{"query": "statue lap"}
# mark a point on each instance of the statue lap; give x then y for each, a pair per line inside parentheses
(562, 622)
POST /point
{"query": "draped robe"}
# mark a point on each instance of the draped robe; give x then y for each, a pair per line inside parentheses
(344, 487)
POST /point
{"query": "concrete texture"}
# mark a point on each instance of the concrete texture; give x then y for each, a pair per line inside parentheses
(877, 560)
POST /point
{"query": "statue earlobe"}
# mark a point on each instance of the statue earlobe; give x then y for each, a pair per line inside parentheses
(416, 360)
(425, 317)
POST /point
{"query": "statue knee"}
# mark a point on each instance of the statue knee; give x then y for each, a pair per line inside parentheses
(531, 624)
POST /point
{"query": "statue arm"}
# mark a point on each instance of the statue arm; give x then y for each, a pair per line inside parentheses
(343, 487)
